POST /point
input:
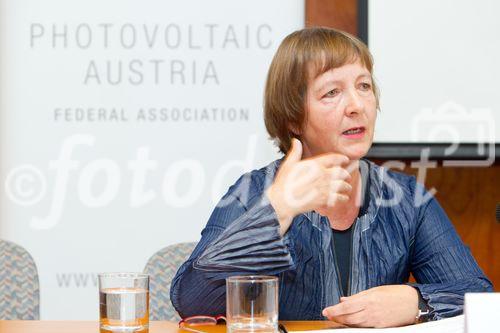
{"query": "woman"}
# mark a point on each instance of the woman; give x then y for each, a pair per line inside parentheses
(342, 233)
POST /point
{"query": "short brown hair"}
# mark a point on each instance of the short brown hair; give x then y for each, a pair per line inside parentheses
(302, 55)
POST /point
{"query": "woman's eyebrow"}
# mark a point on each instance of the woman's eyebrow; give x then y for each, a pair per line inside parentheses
(334, 82)
(327, 83)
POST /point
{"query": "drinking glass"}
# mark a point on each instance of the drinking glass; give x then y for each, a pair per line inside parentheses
(252, 304)
(124, 302)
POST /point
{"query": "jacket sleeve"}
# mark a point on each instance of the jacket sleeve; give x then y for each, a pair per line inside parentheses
(441, 264)
(239, 239)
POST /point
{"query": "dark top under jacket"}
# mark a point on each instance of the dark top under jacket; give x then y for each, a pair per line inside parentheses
(342, 240)
(403, 231)
(342, 245)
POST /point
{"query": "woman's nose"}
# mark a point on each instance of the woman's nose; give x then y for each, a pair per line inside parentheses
(353, 103)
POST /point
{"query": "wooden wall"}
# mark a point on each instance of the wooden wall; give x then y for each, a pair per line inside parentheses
(468, 195)
(339, 14)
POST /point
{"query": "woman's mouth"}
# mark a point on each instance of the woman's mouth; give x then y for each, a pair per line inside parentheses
(354, 133)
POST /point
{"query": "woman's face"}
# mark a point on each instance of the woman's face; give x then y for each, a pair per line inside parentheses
(341, 112)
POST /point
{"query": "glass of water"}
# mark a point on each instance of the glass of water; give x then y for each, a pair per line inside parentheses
(252, 304)
(124, 302)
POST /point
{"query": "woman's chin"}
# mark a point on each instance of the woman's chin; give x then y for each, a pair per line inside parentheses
(355, 149)
(356, 153)
(352, 151)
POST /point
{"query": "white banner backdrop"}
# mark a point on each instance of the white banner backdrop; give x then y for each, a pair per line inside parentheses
(122, 123)
(436, 64)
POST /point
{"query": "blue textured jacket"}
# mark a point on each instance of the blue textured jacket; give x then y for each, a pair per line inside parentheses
(402, 232)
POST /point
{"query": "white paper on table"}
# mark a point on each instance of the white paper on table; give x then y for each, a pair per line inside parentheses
(448, 325)
(481, 312)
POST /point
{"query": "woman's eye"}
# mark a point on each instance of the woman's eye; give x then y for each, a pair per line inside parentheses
(332, 93)
(365, 86)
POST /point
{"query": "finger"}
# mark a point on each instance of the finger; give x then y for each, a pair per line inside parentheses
(330, 160)
(340, 187)
(295, 152)
(333, 198)
(339, 173)
(342, 309)
(358, 319)
(339, 191)
(361, 300)
(352, 166)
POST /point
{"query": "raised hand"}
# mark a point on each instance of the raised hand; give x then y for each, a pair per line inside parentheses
(302, 185)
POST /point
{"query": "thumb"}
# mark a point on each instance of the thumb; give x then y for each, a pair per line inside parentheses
(295, 152)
